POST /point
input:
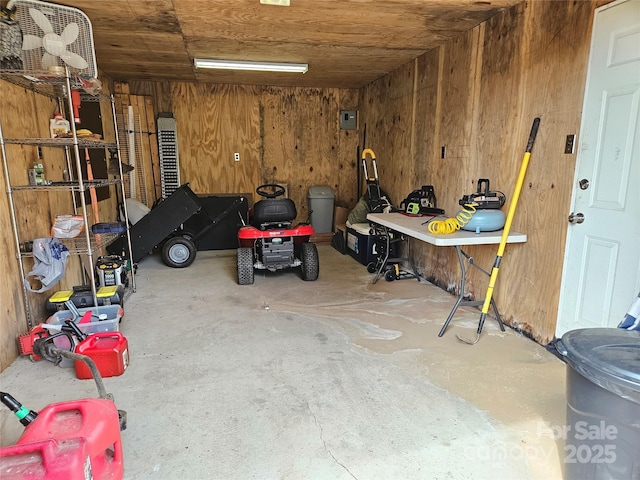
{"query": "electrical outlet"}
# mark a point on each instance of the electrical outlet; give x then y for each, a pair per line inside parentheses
(236, 156)
(570, 144)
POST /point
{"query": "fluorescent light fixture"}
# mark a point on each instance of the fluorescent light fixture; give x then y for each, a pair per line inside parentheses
(255, 66)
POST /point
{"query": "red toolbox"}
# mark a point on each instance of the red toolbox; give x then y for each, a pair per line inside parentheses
(108, 350)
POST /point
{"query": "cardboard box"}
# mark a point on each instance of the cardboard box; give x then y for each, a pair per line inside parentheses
(340, 216)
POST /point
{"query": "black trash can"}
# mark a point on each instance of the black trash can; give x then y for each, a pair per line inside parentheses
(603, 404)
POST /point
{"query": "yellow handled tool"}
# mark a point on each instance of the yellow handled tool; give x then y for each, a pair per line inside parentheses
(505, 232)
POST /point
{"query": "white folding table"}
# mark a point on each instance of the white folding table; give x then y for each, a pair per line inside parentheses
(416, 227)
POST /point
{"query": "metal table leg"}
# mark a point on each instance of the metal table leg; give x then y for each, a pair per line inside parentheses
(461, 302)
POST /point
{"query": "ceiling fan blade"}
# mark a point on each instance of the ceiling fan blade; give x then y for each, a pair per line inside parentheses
(70, 33)
(73, 60)
(41, 20)
(29, 42)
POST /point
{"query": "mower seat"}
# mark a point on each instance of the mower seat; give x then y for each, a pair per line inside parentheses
(273, 213)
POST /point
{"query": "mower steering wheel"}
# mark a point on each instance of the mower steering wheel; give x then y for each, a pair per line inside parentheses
(276, 190)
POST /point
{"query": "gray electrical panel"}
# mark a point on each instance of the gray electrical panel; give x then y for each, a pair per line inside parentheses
(348, 119)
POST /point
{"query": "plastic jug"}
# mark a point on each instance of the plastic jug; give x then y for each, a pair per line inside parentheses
(58, 126)
(96, 420)
(108, 350)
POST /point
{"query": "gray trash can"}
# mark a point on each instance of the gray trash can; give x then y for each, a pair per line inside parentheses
(321, 207)
(602, 434)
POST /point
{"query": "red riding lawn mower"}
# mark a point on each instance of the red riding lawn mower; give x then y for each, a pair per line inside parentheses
(271, 243)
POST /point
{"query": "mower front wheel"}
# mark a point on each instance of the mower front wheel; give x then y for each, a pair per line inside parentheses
(179, 252)
(245, 266)
(310, 264)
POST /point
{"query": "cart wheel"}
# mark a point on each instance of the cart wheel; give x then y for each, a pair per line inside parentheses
(372, 267)
(190, 236)
(310, 264)
(245, 266)
(390, 275)
(178, 252)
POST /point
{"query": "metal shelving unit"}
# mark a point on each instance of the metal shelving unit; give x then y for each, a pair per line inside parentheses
(60, 142)
(67, 185)
(78, 245)
(59, 87)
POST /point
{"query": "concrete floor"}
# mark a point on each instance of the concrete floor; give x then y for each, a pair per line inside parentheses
(333, 379)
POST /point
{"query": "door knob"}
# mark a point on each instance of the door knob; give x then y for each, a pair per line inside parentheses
(584, 184)
(576, 218)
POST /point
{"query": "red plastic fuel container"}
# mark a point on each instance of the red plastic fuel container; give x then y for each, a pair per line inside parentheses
(95, 420)
(108, 350)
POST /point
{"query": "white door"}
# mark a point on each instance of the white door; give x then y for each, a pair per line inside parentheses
(601, 274)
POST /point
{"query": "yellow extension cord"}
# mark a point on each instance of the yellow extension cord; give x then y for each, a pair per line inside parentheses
(453, 224)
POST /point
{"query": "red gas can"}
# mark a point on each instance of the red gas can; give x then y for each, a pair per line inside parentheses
(46, 460)
(109, 351)
(94, 419)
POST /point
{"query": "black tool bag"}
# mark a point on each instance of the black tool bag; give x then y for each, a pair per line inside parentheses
(377, 200)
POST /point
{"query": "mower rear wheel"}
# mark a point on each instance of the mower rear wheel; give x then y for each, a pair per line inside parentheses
(245, 266)
(179, 252)
(310, 264)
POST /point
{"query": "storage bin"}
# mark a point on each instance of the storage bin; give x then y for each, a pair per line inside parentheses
(361, 244)
(321, 207)
(108, 227)
(114, 314)
(602, 434)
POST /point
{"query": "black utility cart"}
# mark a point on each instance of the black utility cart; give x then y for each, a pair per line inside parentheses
(165, 228)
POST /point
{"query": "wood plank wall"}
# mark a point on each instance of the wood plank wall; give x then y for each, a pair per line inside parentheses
(284, 135)
(478, 95)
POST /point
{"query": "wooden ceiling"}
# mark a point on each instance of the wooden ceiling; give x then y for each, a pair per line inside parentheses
(347, 43)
